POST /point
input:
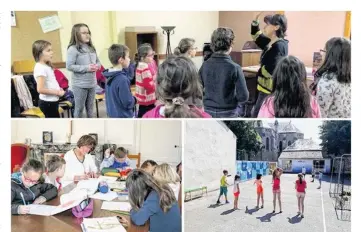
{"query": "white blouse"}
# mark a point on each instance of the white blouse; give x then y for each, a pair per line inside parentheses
(74, 167)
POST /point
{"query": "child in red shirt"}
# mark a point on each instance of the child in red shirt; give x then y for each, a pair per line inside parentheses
(277, 188)
(300, 187)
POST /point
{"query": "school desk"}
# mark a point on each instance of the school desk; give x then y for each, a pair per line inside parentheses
(65, 221)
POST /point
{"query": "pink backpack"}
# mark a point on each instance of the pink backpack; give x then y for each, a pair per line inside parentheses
(84, 209)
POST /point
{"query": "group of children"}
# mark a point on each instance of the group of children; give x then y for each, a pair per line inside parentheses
(153, 189)
(300, 187)
(177, 89)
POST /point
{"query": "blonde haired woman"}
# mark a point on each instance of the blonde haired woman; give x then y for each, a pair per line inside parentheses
(165, 174)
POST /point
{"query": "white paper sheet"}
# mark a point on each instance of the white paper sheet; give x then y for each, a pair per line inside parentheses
(109, 196)
(108, 179)
(43, 210)
(90, 185)
(105, 224)
(116, 206)
(117, 185)
(50, 23)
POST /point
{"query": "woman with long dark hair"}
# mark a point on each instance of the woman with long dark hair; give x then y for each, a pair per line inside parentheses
(274, 47)
(333, 79)
(290, 96)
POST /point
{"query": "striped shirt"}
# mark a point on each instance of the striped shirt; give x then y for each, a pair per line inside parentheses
(145, 85)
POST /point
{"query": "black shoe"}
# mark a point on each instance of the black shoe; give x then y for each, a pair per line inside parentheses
(262, 207)
(218, 202)
(280, 211)
(302, 216)
(273, 211)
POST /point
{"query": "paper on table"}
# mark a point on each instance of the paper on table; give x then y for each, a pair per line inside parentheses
(116, 206)
(43, 210)
(108, 224)
(66, 183)
(109, 196)
(117, 185)
(108, 179)
(90, 185)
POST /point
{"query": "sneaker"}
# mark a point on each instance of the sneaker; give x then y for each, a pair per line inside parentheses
(227, 202)
(302, 216)
(280, 211)
(298, 213)
(218, 202)
(262, 207)
(273, 211)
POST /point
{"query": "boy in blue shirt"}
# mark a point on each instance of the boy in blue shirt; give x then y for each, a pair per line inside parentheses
(118, 160)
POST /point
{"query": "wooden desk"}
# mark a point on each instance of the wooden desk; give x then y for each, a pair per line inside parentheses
(65, 221)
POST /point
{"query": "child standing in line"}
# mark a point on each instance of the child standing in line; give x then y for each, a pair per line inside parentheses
(118, 96)
(83, 61)
(236, 190)
(224, 185)
(119, 160)
(145, 79)
(276, 188)
(55, 171)
(258, 181)
(320, 175)
(300, 187)
(152, 201)
(28, 188)
(47, 85)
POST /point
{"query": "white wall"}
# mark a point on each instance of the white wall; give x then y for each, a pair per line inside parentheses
(153, 139)
(209, 148)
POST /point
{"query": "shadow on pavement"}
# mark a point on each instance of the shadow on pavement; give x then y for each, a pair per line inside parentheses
(228, 212)
(295, 219)
(267, 217)
(251, 211)
(215, 206)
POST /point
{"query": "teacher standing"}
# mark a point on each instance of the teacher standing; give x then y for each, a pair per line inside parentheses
(274, 46)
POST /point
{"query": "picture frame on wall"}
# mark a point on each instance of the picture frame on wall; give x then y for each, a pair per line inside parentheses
(47, 137)
(95, 136)
(13, 19)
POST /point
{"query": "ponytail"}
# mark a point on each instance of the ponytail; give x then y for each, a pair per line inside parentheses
(178, 109)
(177, 51)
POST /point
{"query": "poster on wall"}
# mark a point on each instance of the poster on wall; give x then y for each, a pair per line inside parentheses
(248, 170)
(13, 19)
(50, 23)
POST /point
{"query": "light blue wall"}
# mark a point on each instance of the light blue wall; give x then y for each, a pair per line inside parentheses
(248, 170)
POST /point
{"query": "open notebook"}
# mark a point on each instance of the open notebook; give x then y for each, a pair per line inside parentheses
(106, 224)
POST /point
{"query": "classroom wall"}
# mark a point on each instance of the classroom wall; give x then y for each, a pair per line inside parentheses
(194, 24)
(153, 139)
(210, 147)
(307, 31)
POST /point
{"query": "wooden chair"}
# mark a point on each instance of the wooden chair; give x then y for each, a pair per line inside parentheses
(22, 67)
(19, 154)
(135, 157)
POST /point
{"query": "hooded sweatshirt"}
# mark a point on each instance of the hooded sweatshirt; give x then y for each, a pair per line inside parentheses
(48, 191)
(118, 96)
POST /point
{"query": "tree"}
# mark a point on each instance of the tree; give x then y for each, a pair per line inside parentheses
(336, 137)
(248, 140)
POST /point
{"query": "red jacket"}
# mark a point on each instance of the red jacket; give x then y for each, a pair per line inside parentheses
(145, 85)
(61, 79)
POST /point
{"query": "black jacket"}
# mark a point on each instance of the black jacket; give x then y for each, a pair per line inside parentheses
(48, 191)
(223, 82)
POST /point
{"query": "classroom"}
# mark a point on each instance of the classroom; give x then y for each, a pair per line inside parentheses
(51, 159)
(306, 43)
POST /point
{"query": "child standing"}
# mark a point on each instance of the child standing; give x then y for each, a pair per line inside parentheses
(222, 79)
(276, 188)
(236, 190)
(258, 181)
(47, 85)
(55, 169)
(118, 96)
(145, 79)
(290, 97)
(118, 161)
(165, 174)
(224, 185)
(83, 61)
(152, 201)
(186, 48)
(149, 166)
(27, 188)
(320, 175)
(300, 187)
(179, 90)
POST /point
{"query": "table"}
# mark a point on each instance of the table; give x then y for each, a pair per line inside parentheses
(65, 221)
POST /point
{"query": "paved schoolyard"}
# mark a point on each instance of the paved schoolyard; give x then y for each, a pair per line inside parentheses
(203, 215)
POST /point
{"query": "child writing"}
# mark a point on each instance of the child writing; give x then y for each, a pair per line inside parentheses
(236, 190)
(258, 182)
(166, 175)
(334, 79)
(152, 201)
(119, 160)
(83, 62)
(178, 90)
(276, 188)
(290, 97)
(47, 85)
(145, 79)
(223, 189)
(118, 96)
(149, 166)
(300, 187)
(55, 169)
(27, 188)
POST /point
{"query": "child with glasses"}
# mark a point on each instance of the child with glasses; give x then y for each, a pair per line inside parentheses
(27, 187)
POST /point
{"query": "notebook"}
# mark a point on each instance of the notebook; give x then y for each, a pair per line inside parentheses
(106, 224)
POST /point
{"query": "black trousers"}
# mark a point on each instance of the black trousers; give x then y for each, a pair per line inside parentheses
(144, 109)
(50, 109)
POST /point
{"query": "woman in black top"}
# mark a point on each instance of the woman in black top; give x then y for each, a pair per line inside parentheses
(274, 46)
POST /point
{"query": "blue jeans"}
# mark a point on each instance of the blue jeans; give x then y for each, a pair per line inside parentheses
(234, 113)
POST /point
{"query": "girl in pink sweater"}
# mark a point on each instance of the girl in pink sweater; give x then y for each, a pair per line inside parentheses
(290, 97)
(177, 88)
